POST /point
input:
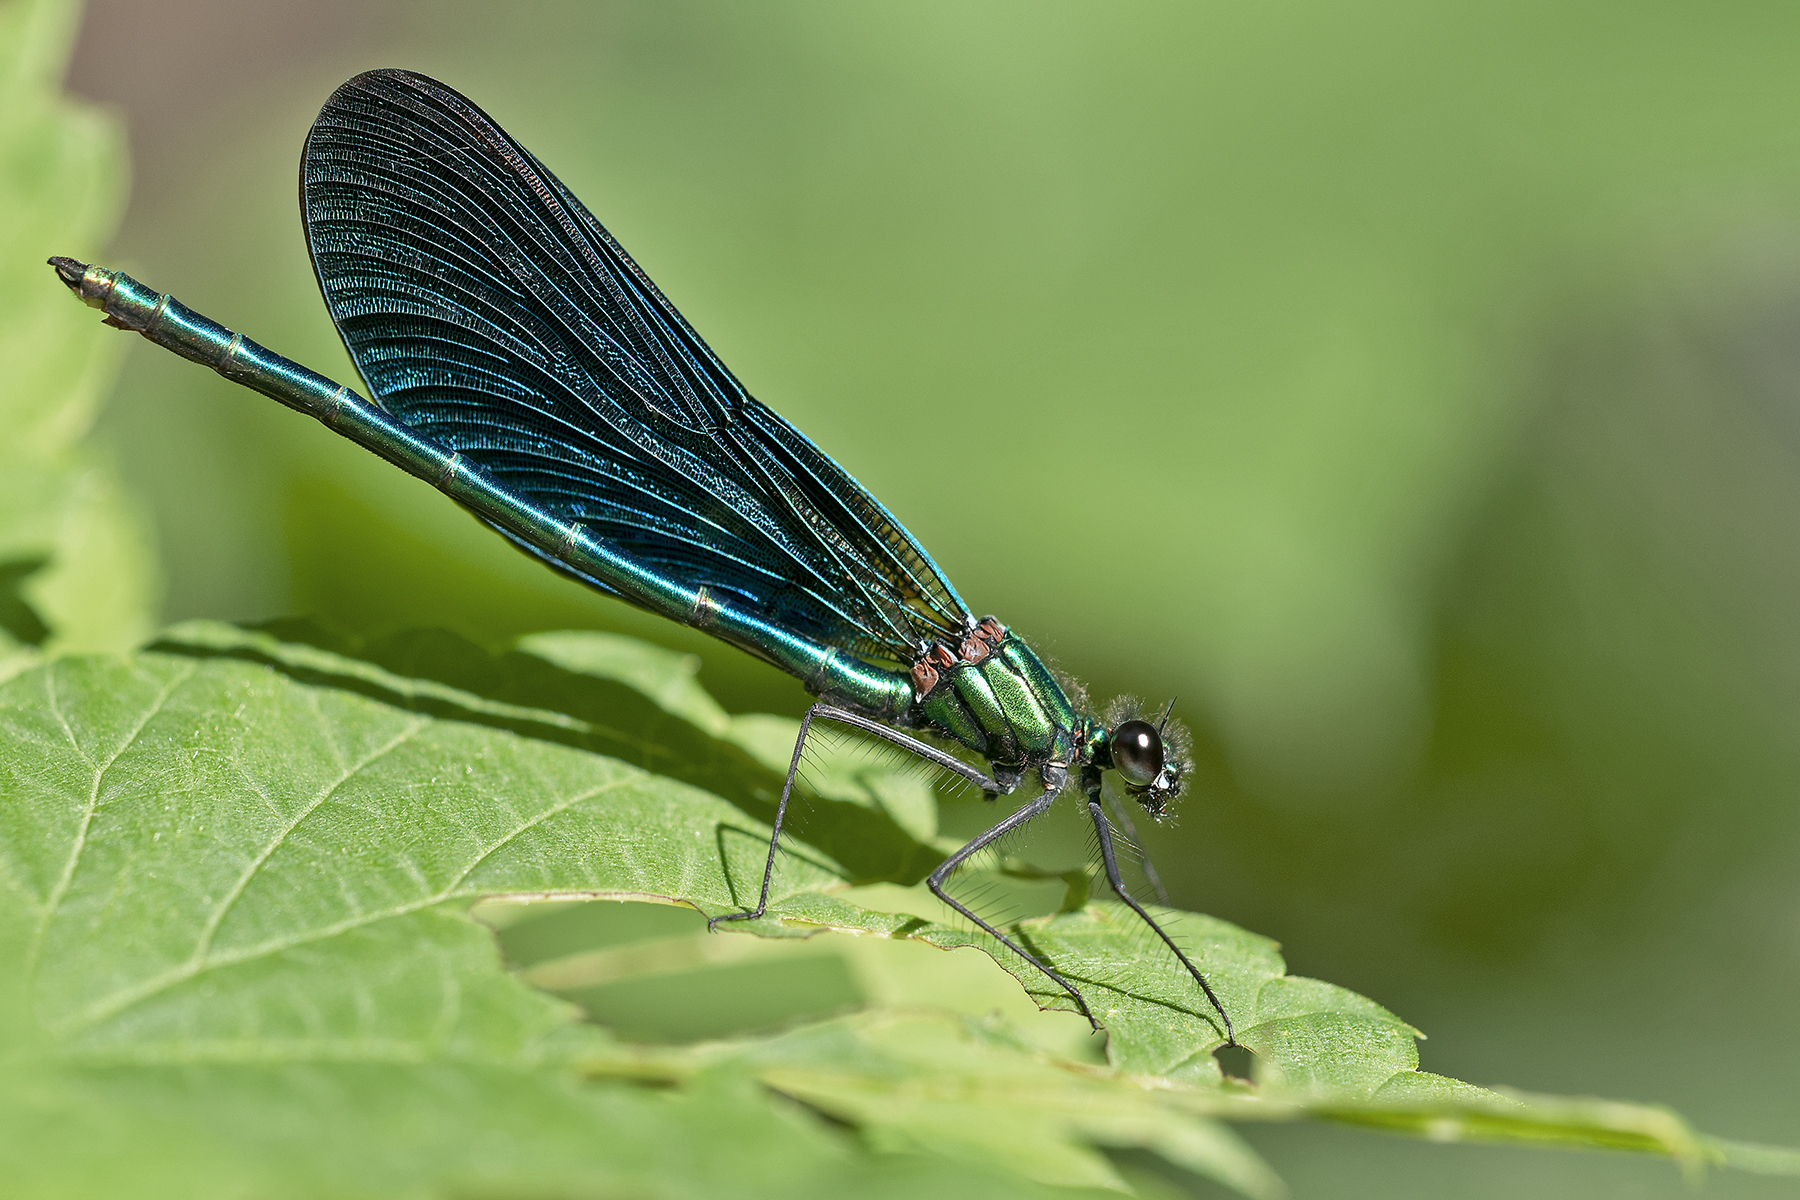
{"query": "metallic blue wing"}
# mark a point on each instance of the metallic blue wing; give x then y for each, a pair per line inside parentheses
(488, 309)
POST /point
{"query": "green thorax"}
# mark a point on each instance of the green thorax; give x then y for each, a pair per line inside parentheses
(993, 695)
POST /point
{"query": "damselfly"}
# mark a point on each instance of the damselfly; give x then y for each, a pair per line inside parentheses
(523, 364)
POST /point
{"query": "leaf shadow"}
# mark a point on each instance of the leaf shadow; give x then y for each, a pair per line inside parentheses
(760, 841)
(17, 617)
(446, 676)
(1021, 934)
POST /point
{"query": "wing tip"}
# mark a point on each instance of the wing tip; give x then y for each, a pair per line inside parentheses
(389, 83)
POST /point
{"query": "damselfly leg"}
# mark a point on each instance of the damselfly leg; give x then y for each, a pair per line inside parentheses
(1110, 860)
(842, 716)
(1122, 814)
(948, 867)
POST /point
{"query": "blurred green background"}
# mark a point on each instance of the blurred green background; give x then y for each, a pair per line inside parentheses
(1413, 390)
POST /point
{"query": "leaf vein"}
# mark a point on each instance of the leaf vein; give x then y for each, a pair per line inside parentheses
(203, 944)
(60, 890)
(125, 998)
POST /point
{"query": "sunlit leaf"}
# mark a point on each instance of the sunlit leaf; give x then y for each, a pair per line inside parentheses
(239, 941)
(240, 871)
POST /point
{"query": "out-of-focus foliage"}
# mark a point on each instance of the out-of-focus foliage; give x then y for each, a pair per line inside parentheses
(75, 572)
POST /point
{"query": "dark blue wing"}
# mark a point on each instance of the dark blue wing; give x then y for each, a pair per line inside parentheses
(488, 309)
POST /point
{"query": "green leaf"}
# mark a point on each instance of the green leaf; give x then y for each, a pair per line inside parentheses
(972, 1089)
(974, 1086)
(613, 704)
(239, 903)
(239, 872)
(836, 771)
(1310, 1036)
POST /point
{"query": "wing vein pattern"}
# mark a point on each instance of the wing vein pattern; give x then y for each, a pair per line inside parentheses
(488, 309)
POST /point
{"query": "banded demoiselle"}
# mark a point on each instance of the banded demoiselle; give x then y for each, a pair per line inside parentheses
(524, 365)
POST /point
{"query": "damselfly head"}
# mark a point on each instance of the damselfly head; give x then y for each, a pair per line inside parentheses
(1148, 752)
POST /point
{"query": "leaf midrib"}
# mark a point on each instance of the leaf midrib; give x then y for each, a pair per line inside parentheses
(53, 902)
(203, 962)
(203, 943)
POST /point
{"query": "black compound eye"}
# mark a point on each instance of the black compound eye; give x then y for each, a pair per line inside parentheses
(1137, 752)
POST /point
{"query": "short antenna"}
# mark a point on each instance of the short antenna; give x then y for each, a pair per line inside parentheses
(1167, 709)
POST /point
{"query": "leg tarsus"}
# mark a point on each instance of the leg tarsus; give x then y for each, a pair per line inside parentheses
(843, 716)
(1118, 886)
(946, 868)
(787, 789)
